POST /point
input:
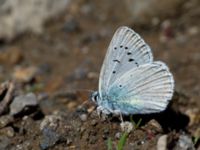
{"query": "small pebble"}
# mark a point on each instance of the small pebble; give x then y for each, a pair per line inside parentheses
(194, 116)
(8, 131)
(50, 121)
(154, 125)
(25, 74)
(5, 120)
(193, 30)
(184, 143)
(83, 117)
(118, 135)
(162, 143)
(93, 122)
(126, 126)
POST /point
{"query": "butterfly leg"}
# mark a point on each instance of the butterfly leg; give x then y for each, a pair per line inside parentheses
(99, 111)
(118, 113)
(121, 118)
(102, 112)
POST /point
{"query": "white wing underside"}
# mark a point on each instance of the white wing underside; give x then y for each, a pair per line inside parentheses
(129, 78)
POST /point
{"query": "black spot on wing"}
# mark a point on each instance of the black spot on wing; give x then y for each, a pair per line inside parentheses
(129, 53)
(131, 59)
(116, 60)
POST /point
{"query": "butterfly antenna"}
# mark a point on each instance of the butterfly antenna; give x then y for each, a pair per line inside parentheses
(88, 101)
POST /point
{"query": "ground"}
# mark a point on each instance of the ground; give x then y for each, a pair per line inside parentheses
(69, 55)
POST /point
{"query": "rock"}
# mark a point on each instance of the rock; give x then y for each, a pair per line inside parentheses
(5, 142)
(5, 120)
(162, 143)
(194, 116)
(153, 125)
(94, 122)
(50, 121)
(11, 56)
(192, 31)
(22, 102)
(126, 126)
(184, 143)
(25, 74)
(118, 135)
(25, 145)
(71, 105)
(53, 130)
(144, 11)
(8, 131)
(83, 117)
(19, 16)
(50, 137)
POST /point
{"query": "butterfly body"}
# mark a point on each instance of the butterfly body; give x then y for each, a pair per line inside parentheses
(130, 81)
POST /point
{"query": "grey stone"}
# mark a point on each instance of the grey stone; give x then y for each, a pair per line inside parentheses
(19, 16)
(21, 102)
(50, 137)
(53, 130)
(184, 143)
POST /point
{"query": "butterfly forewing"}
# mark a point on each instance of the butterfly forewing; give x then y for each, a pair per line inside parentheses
(126, 51)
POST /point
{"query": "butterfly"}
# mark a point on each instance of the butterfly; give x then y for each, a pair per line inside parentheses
(130, 81)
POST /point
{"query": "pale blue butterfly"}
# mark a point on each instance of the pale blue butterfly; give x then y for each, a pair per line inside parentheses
(130, 81)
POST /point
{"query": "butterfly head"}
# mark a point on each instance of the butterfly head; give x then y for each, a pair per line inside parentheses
(95, 97)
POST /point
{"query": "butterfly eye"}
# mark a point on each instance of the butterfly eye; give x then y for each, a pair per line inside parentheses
(95, 97)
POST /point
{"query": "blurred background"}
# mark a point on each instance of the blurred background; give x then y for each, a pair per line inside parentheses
(55, 47)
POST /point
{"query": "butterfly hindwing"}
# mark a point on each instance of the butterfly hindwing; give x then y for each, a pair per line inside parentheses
(126, 51)
(146, 89)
